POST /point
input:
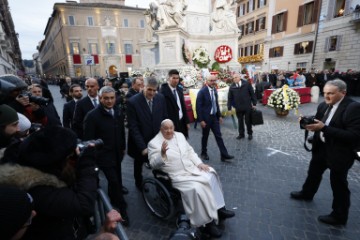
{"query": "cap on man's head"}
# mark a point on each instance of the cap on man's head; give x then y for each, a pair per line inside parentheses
(7, 115)
(15, 210)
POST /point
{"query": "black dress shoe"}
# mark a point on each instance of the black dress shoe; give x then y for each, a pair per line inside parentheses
(240, 137)
(332, 220)
(226, 158)
(299, 195)
(125, 218)
(204, 156)
(225, 213)
(124, 190)
(213, 230)
(250, 137)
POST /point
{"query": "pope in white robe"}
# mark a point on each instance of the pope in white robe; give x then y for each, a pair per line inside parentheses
(197, 182)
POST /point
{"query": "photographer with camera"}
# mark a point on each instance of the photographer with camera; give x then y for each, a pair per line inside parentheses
(42, 110)
(336, 128)
(61, 180)
(13, 96)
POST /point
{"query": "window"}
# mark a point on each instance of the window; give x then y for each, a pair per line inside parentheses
(279, 22)
(259, 49)
(333, 43)
(249, 50)
(261, 3)
(90, 21)
(71, 20)
(260, 24)
(301, 66)
(241, 27)
(110, 48)
(93, 49)
(250, 27)
(142, 23)
(243, 6)
(303, 47)
(251, 6)
(276, 52)
(339, 8)
(126, 23)
(75, 48)
(128, 49)
(308, 13)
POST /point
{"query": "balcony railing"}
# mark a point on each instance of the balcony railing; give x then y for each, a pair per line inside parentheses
(356, 16)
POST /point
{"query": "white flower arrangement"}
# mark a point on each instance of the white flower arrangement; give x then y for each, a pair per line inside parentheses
(189, 74)
(135, 73)
(222, 84)
(284, 98)
(201, 57)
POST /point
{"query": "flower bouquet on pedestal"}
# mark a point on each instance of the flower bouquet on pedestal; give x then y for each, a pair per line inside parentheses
(283, 100)
(201, 57)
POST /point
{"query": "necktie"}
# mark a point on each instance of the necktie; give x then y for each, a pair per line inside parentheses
(175, 96)
(111, 111)
(95, 102)
(327, 113)
(150, 105)
(213, 103)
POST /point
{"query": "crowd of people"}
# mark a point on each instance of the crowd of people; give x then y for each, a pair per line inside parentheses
(56, 179)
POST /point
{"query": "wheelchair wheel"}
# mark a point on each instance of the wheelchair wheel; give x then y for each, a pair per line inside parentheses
(157, 198)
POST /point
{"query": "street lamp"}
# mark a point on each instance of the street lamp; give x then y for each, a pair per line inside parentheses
(288, 65)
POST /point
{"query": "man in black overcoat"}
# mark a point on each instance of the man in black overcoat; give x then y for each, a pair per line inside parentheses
(145, 112)
(337, 132)
(175, 103)
(69, 107)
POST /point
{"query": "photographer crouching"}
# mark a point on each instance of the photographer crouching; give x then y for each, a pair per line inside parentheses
(61, 179)
(336, 128)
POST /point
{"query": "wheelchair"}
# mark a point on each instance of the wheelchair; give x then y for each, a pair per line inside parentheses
(159, 195)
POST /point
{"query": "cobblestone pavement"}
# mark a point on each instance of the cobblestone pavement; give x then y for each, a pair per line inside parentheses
(256, 185)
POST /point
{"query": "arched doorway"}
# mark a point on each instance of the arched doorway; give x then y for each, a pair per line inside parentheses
(113, 71)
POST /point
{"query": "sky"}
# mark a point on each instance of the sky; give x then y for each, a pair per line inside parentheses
(30, 19)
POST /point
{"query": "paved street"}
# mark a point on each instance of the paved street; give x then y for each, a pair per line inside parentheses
(256, 185)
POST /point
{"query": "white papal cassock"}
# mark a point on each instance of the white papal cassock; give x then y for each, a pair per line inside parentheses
(201, 191)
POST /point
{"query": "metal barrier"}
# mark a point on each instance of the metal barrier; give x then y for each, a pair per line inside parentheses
(103, 206)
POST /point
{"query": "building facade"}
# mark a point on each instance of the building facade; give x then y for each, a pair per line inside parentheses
(252, 18)
(92, 38)
(10, 54)
(338, 40)
(291, 34)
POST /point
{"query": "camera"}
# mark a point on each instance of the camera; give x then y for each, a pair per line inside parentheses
(98, 144)
(306, 120)
(35, 99)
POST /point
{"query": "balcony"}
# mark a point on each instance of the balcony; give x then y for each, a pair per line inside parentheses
(356, 16)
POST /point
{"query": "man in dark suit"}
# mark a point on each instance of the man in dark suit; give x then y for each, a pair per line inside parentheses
(209, 116)
(106, 122)
(242, 97)
(86, 104)
(175, 103)
(69, 107)
(335, 138)
(136, 86)
(145, 112)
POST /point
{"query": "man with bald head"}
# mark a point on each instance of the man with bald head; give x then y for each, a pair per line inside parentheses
(209, 116)
(199, 184)
(86, 104)
(242, 97)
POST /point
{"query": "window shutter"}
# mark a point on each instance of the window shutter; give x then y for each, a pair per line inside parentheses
(331, 10)
(327, 44)
(285, 19)
(338, 42)
(71, 49)
(264, 2)
(247, 7)
(273, 27)
(238, 11)
(310, 47)
(264, 23)
(251, 50)
(259, 3)
(271, 52)
(253, 5)
(316, 13)
(296, 48)
(281, 51)
(257, 25)
(300, 20)
(347, 8)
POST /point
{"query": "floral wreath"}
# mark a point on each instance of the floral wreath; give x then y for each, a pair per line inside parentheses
(201, 57)
(284, 98)
(189, 74)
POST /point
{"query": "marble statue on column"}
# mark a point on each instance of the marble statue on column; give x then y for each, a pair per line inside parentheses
(169, 13)
(223, 18)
